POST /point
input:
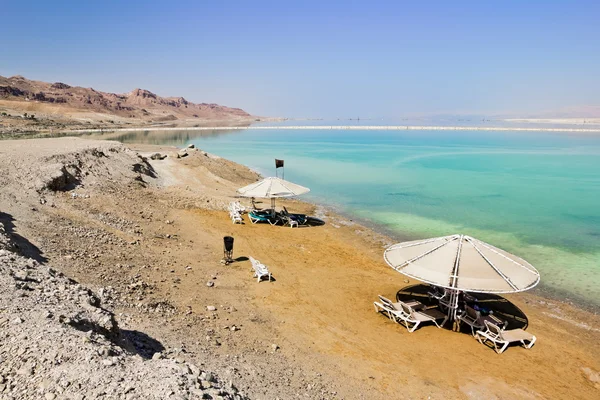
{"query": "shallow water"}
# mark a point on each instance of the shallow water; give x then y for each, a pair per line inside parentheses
(534, 194)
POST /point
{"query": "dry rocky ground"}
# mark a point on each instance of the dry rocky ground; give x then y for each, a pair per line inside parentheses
(93, 214)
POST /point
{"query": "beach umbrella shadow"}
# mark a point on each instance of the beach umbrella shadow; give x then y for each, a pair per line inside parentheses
(501, 307)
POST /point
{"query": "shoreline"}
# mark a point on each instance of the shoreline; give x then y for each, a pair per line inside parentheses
(541, 290)
(390, 237)
(347, 127)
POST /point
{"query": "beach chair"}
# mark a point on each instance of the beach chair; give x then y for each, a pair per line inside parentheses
(387, 307)
(299, 219)
(437, 293)
(236, 217)
(236, 206)
(404, 314)
(383, 308)
(501, 338)
(472, 317)
(256, 217)
(476, 321)
(260, 270)
(287, 219)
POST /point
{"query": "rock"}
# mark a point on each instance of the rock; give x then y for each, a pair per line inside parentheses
(26, 370)
(211, 308)
(182, 153)
(234, 328)
(208, 377)
(18, 320)
(21, 275)
(274, 347)
(50, 396)
(210, 284)
(158, 156)
(191, 146)
(206, 384)
(157, 356)
(108, 363)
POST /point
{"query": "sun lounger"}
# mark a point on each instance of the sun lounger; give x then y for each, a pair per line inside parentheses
(472, 317)
(438, 293)
(299, 219)
(287, 219)
(236, 206)
(406, 315)
(501, 338)
(476, 320)
(260, 270)
(260, 217)
(236, 217)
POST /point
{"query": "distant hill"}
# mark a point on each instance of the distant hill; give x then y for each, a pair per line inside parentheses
(139, 104)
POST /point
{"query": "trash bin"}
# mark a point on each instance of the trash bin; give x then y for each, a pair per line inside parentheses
(228, 249)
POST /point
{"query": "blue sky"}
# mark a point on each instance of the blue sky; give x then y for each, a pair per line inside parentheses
(317, 58)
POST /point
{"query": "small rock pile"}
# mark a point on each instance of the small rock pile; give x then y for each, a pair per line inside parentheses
(56, 341)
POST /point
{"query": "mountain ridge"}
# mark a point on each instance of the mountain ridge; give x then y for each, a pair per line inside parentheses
(138, 103)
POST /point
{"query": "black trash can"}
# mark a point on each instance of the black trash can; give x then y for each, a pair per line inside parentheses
(228, 249)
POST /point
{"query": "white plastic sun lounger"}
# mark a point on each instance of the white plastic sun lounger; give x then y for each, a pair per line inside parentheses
(405, 315)
(260, 270)
(500, 338)
(236, 218)
(236, 206)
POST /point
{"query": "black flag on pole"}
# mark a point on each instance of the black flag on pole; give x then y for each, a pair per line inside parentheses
(278, 163)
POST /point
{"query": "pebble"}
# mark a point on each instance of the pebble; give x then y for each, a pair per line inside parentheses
(210, 284)
(50, 396)
(211, 308)
(108, 363)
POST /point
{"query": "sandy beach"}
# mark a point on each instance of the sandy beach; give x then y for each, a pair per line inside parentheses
(150, 232)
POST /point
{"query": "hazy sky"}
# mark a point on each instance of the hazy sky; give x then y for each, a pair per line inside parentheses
(317, 58)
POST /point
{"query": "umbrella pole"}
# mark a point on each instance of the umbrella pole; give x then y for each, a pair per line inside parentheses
(453, 308)
(273, 206)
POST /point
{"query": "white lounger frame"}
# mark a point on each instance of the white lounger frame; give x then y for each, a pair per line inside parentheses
(235, 212)
(404, 314)
(502, 338)
(260, 270)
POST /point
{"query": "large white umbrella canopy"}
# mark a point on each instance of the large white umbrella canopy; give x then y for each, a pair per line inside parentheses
(462, 263)
(271, 188)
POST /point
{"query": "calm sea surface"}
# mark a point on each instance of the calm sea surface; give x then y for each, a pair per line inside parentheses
(534, 194)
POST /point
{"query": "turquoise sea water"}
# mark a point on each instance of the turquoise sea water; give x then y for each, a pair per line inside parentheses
(534, 194)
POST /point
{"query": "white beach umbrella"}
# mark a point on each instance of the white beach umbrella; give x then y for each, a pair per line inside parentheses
(462, 263)
(272, 188)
